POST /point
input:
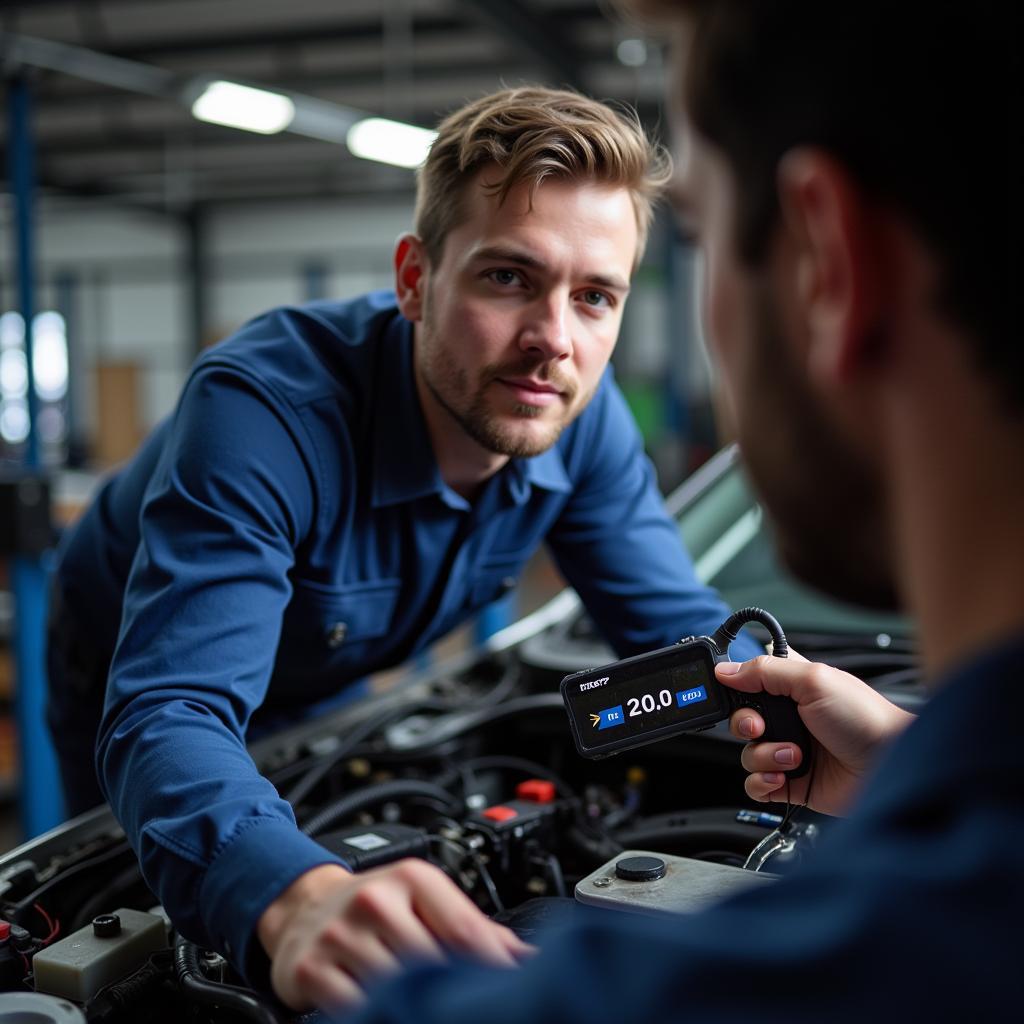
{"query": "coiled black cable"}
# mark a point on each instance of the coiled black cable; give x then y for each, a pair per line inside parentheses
(728, 630)
(125, 995)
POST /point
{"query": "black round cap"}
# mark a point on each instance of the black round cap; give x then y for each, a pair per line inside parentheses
(106, 926)
(640, 869)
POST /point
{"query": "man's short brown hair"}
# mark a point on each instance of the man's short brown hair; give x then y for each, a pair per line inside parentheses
(532, 133)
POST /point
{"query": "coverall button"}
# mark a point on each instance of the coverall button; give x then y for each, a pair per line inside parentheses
(508, 583)
(336, 634)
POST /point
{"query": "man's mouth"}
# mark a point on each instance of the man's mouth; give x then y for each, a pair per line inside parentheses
(528, 391)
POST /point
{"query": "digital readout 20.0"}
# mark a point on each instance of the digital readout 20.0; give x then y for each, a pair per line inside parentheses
(649, 702)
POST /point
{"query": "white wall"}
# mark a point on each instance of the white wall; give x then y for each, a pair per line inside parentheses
(131, 294)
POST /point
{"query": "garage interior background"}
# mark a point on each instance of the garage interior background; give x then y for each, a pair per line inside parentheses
(151, 234)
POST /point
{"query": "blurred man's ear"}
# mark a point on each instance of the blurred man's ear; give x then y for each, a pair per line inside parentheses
(838, 263)
(410, 276)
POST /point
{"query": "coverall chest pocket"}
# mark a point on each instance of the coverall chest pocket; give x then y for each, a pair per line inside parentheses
(327, 624)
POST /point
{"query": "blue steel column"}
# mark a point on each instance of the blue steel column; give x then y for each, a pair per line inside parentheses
(65, 286)
(41, 804)
(314, 280)
(196, 275)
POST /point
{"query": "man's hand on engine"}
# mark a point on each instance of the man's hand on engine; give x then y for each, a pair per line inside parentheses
(331, 932)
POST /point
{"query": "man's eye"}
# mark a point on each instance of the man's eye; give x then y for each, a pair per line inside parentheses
(505, 277)
(596, 298)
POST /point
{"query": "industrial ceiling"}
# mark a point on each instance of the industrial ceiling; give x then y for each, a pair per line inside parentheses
(410, 60)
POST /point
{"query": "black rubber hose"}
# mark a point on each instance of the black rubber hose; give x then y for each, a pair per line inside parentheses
(739, 838)
(312, 774)
(595, 845)
(379, 793)
(24, 906)
(451, 726)
(210, 993)
(501, 762)
(322, 767)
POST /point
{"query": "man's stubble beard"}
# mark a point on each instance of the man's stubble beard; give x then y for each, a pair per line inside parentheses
(467, 402)
(825, 502)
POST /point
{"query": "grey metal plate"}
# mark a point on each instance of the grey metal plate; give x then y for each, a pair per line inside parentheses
(688, 885)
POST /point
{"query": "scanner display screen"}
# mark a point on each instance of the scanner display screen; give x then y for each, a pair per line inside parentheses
(624, 703)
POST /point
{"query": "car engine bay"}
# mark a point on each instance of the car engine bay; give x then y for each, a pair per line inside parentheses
(468, 764)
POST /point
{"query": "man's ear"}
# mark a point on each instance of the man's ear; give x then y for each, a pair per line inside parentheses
(839, 263)
(410, 276)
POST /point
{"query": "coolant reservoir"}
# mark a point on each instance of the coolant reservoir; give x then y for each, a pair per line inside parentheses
(111, 948)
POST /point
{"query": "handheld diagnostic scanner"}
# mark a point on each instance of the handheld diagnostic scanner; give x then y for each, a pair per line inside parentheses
(673, 690)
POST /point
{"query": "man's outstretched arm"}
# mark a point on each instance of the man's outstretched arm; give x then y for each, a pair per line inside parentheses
(227, 508)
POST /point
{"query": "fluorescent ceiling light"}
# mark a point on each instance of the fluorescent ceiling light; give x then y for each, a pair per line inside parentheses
(632, 53)
(241, 106)
(389, 142)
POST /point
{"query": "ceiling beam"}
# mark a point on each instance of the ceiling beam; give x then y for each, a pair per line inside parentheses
(466, 75)
(537, 35)
(80, 62)
(246, 37)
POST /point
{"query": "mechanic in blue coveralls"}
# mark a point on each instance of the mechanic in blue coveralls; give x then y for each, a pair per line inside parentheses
(340, 485)
(848, 170)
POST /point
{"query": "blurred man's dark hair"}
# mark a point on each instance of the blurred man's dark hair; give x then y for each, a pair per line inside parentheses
(869, 81)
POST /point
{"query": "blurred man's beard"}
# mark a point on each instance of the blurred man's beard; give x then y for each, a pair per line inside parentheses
(825, 503)
(470, 402)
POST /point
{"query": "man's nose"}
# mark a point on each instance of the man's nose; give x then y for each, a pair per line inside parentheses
(546, 331)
